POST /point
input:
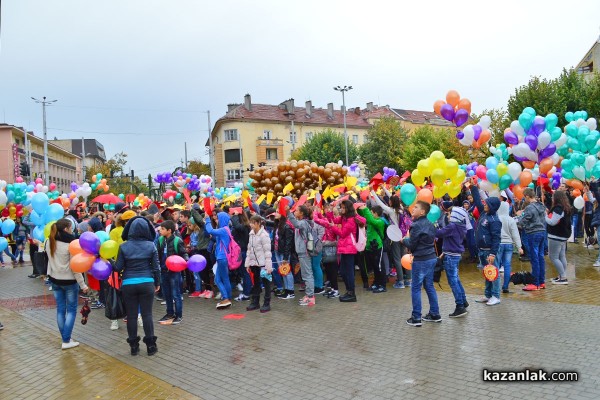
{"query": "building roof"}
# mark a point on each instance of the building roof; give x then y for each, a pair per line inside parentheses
(587, 58)
(93, 148)
(31, 136)
(420, 117)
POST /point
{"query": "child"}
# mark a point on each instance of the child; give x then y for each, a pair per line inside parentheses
(421, 244)
(374, 249)
(510, 235)
(453, 235)
(170, 282)
(222, 238)
(258, 259)
(533, 221)
(300, 221)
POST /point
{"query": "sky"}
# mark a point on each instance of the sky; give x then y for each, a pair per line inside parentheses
(139, 75)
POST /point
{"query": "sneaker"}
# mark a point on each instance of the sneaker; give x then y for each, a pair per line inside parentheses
(333, 294)
(218, 296)
(380, 289)
(493, 301)
(543, 286)
(399, 285)
(159, 298)
(69, 345)
(240, 287)
(414, 322)
(459, 312)
(348, 298)
(407, 282)
(114, 325)
(531, 288)
(279, 292)
(125, 319)
(465, 304)
(560, 282)
(166, 320)
(432, 318)
(96, 305)
(176, 321)
(209, 294)
(223, 304)
(308, 301)
(505, 291)
(84, 296)
(393, 272)
(482, 300)
(242, 297)
(196, 294)
(33, 276)
(501, 270)
(140, 320)
(596, 264)
(289, 295)
(319, 290)
(373, 287)
(252, 307)
(163, 303)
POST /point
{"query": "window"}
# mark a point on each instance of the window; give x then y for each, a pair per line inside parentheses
(293, 137)
(272, 154)
(365, 139)
(308, 135)
(267, 135)
(234, 174)
(355, 139)
(232, 155)
(231, 135)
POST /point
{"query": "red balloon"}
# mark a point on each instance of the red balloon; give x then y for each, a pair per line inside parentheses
(176, 263)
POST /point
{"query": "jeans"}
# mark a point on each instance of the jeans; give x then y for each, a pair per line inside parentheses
(307, 275)
(288, 280)
(535, 243)
(222, 279)
(451, 268)
(347, 271)
(66, 308)
(557, 250)
(317, 270)
(491, 288)
(171, 289)
(504, 258)
(8, 253)
(139, 297)
(277, 278)
(21, 240)
(576, 225)
(422, 275)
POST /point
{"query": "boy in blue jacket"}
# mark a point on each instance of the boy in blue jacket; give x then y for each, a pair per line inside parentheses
(488, 236)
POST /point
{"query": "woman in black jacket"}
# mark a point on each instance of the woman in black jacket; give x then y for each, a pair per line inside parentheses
(138, 262)
(283, 241)
(558, 224)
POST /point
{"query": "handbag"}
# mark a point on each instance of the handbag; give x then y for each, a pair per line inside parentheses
(329, 252)
(115, 307)
(40, 262)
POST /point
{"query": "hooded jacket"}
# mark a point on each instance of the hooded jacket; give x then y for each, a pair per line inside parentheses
(259, 249)
(302, 226)
(375, 229)
(489, 226)
(533, 218)
(240, 232)
(421, 240)
(344, 233)
(220, 234)
(453, 234)
(283, 240)
(510, 231)
(203, 236)
(138, 257)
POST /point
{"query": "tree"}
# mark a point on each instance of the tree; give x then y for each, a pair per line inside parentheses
(326, 146)
(383, 146)
(197, 167)
(500, 121)
(114, 166)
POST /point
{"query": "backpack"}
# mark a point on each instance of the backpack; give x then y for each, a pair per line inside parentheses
(314, 241)
(361, 233)
(161, 240)
(233, 252)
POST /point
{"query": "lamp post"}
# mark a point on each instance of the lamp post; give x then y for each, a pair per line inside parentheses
(44, 103)
(211, 160)
(344, 90)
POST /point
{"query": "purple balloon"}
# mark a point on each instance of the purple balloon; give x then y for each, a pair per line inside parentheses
(101, 269)
(511, 138)
(531, 141)
(196, 263)
(447, 112)
(548, 151)
(539, 124)
(461, 117)
(477, 131)
(555, 184)
(90, 243)
(460, 135)
(520, 159)
(73, 186)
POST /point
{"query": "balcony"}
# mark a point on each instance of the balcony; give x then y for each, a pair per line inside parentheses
(269, 142)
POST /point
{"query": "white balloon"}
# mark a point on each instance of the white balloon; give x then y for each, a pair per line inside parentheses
(544, 140)
(3, 198)
(486, 186)
(521, 150)
(485, 122)
(579, 202)
(2, 184)
(535, 174)
(469, 132)
(561, 140)
(591, 123)
(589, 163)
(579, 122)
(45, 189)
(579, 173)
(552, 171)
(517, 128)
(494, 193)
(555, 158)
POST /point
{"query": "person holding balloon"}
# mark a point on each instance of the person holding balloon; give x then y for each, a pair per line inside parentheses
(65, 283)
(137, 261)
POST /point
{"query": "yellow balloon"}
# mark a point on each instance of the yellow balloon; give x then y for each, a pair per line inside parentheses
(454, 190)
(437, 160)
(47, 229)
(451, 167)
(439, 191)
(109, 249)
(424, 168)
(438, 176)
(417, 178)
(459, 177)
(502, 169)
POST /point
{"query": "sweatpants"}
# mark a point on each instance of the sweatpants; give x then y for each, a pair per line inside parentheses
(307, 275)
(374, 258)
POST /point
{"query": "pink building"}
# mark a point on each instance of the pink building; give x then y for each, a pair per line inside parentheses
(64, 167)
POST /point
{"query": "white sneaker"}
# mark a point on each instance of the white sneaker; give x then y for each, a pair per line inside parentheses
(218, 296)
(482, 300)
(70, 345)
(597, 264)
(240, 287)
(493, 301)
(242, 297)
(114, 325)
(140, 321)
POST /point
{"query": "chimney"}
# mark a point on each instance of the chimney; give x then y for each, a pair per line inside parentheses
(248, 102)
(308, 105)
(330, 110)
(357, 110)
(231, 107)
(370, 106)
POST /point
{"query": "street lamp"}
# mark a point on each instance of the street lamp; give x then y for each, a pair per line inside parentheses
(344, 90)
(44, 103)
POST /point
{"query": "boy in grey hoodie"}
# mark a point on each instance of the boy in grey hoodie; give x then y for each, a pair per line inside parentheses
(533, 220)
(510, 235)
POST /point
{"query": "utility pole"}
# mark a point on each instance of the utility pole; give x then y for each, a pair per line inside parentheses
(44, 103)
(211, 159)
(186, 160)
(344, 90)
(83, 159)
(26, 144)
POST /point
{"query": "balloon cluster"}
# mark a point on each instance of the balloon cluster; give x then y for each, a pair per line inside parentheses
(476, 135)
(81, 191)
(44, 215)
(354, 170)
(444, 173)
(91, 252)
(193, 183)
(163, 177)
(580, 150)
(222, 192)
(533, 137)
(409, 195)
(170, 195)
(196, 263)
(500, 152)
(388, 173)
(454, 109)
(99, 183)
(302, 175)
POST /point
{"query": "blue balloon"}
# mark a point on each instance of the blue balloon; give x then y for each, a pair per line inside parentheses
(36, 219)
(103, 236)
(8, 226)
(39, 203)
(54, 213)
(491, 163)
(10, 195)
(3, 244)
(492, 176)
(38, 233)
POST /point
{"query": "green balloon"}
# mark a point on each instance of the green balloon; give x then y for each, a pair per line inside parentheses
(408, 193)
(551, 121)
(434, 214)
(505, 181)
(569, 116)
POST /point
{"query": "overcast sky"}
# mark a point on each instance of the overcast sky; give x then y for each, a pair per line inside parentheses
(154, 67)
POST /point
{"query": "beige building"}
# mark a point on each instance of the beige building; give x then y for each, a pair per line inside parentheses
(252, 134)
(590, 63)
(94, 151)
(64, 167)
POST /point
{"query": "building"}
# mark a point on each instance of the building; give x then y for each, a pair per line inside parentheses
(589, 61)
(94, 151)
(64, 167)
(262, 133)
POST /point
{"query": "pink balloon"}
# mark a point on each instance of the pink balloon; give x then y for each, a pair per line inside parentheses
(176, 263)
(481, 172)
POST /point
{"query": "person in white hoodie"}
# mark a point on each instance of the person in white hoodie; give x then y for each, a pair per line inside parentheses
(510, 236)
(258, 259)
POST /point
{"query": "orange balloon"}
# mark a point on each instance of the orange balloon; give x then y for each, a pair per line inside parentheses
(585, 197)
(465, 104)
(484, 137)
(525, 178)
(437, 106)
(94, 178)
(529, 164)
(425, 195)
(407, 261)
(576, 193)
(575, 184)
(546, 165)
(452, 98)
(65, 202)
(517, 192)
(82, 262)
(75, 247)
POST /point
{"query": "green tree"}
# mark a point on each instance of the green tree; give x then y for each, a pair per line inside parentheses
(500, 121)
(384, 143)
(326, 146)
(114, 166)
(197, 167)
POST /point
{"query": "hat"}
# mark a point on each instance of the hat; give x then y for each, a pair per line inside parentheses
(153, 209)
(467, 202)
(446, 205)
(121, 207)
(503, 194)
(83, 226)
(459, 215)
(127, 215)
(95, 224)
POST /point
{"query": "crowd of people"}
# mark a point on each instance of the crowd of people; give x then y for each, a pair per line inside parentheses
(306, 248)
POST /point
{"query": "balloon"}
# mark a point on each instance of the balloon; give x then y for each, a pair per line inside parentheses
(452, 98)
(491, 163)
(75, 248)
(531, 141)
(416, 177)
(492, 176)
(434, 213)
(461, 117)
(39, 202)
(502, 169)
(54, 212)
(539, 124)
(103, 236)
(82, 262)
(447, 112)
(89, 242)
(101, 269)
(579, 203)
(451, 167)
(196, 263)
(525, 178)
(546, 165)
(437, 106)
(464, 104)
(544, 140)
(425, 195)
(176, 263)
(38, 234)
(424, 167)
(510, 137)
(505, 182)
(406, 261)
(548, 151)
(525, 120)
(48, 229)
(109, 249)
(3, 244)
(408, 193)
(8, 226)
(480, 172)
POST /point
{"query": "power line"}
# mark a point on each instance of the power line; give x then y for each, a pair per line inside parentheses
(166, 163)
(131, 109)
(131, 133)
